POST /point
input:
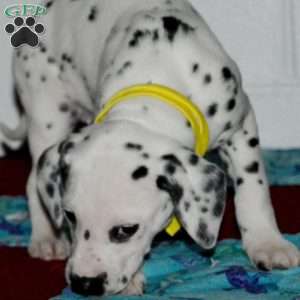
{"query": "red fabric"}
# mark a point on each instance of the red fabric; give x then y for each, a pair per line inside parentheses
(22, 277)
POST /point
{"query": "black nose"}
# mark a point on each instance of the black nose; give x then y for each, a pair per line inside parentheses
(88, 286)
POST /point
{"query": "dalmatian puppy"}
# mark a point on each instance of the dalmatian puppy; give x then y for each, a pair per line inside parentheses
(116, 185)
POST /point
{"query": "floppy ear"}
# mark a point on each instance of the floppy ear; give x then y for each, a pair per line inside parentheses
(198, 191)
(52, 177)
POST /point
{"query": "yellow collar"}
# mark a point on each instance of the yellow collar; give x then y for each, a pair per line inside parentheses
(175, 99)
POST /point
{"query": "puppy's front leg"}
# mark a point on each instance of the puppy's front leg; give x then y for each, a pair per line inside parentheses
(46, 90)
(45, 242)
(261, 237)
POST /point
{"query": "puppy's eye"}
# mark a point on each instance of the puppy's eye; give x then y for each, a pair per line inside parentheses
(121, 234)
(71, 217)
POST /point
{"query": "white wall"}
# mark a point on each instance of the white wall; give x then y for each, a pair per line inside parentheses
(263, 36)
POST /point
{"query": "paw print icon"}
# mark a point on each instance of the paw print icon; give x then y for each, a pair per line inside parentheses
(24, 31)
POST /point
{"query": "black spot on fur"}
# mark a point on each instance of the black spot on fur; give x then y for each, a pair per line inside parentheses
(93, 14)
(49, 4)
(204, 209)
(49, 126)
(155, 37)
(124, 279)
(227, 74)
(187, 206)
(125, 66)
(173, 189)
(239, 181)
(146, 155)
(227, 126)
(253, 142)
(253, 167)
(51, 60)
(197, 198)
(138, 36)
(212, 110)
(64, 174)
(43, 48)
(50, 190)
(207, 79)
(204, 235)
(216, 184)
(194, 159)
(67, 58)
(140, 173)
(27, 74)
(64, 107)
(87, 235)
(172, 158)
(170, 168)
(195, 68)
(231, 104)
(260, 181)
(79, 126)
(210, 169)
(219, 207)
(172, 25)
(209, 186)
(132, 146)
(64, 168)
(43, 78)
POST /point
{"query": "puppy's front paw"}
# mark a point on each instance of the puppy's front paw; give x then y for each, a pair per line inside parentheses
(136, 285)
(272, 253)
(49, 248)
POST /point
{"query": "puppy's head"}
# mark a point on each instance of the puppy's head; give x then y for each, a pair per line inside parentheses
(118, 185)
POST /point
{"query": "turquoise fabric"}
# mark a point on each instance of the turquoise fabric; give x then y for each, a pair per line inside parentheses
(15, 225)
(283, 166)
(177, 271)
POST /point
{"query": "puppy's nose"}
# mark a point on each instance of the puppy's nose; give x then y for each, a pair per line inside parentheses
(88, 286)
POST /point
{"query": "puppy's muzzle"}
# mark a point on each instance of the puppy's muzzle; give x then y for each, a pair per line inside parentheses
(88, 286)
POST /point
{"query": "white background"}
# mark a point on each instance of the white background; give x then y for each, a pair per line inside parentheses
(263, 36)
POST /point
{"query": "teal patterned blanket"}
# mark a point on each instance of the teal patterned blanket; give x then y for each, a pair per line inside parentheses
(176, 270)
(283, 166)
